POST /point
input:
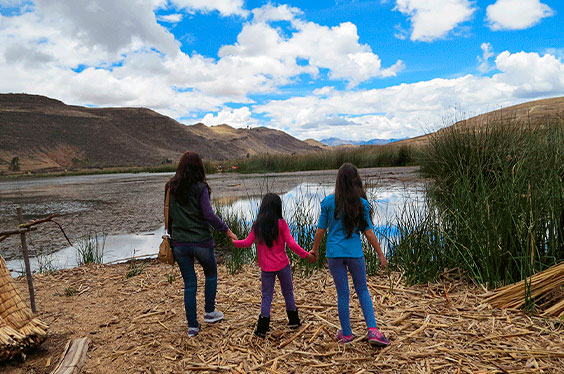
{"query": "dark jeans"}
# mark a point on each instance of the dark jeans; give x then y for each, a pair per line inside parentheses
(357, 268)
(185, 255)
(268, 278)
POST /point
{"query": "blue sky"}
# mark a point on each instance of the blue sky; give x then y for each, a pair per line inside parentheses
(352, 69)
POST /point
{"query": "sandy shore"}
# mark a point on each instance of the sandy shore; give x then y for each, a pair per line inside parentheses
(132, 203)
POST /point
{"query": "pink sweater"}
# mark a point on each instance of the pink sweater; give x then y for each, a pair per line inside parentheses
(275, 258)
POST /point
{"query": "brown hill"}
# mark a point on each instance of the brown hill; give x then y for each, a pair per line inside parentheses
(46, 134)
(538, 112)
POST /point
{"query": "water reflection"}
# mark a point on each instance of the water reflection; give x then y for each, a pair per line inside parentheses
(304, 199)
(116, 248)
(387, 202)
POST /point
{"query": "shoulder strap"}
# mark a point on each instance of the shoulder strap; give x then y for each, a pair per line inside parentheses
(167, 200)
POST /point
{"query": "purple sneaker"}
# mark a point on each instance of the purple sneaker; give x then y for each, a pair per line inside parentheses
(344, 339)
(376, 338)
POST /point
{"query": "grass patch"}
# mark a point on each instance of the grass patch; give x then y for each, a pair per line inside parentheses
(45, 264)
(135, 268)
(90, 249)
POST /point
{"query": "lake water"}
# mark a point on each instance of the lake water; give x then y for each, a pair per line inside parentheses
(388, 201)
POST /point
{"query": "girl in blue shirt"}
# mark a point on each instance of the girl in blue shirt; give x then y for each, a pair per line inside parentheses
(344, 215)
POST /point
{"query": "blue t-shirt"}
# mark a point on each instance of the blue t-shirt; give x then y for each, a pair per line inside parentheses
(338, 245)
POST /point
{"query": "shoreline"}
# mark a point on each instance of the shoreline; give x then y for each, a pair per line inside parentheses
(132, 203)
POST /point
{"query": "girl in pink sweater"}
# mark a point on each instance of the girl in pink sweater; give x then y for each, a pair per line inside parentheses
(271, 234)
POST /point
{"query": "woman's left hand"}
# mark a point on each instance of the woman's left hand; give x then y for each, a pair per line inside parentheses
(231, 236)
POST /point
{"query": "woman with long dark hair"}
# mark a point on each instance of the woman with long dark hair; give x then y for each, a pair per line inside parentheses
(191, 219)
(344, 215)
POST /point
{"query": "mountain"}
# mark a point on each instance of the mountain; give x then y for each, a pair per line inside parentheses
(46, 134)
(337, 141)
(536, 113)
(316, 143)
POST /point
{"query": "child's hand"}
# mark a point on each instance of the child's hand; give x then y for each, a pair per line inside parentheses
(231, 236)
(311, 258)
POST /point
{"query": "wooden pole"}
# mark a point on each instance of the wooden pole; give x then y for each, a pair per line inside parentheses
(26, 261)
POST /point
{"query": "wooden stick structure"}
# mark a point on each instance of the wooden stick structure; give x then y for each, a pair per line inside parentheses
(26, 262)
(6, 234)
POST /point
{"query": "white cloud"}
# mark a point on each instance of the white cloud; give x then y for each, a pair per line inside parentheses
(269, 13)
(516, 14)
(484, 60)
(240, 117)
(171, 18)
(112, 25)
(434, 19)
(531, 75)
(262, 48)
(224, 7)
(411, 109)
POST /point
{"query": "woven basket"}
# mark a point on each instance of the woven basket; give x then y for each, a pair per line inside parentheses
(18, 329)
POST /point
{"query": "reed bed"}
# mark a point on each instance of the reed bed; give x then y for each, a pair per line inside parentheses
(302, 219)
(137, 325)
(495, 205)
(362, 157)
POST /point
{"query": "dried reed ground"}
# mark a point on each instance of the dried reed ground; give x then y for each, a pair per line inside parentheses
(137, 326)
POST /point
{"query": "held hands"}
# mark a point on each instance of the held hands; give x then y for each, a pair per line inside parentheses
(312, 256)
(231, 236)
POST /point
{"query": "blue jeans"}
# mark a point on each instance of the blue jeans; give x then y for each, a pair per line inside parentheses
(185, 255)
(267, 279)
(357, 268)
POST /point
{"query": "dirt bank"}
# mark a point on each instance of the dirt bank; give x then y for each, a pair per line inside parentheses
(132, 203)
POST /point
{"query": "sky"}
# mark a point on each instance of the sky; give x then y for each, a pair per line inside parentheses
(352, 69)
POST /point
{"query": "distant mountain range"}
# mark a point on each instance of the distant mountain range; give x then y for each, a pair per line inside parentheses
(336, 141)
(45, 134)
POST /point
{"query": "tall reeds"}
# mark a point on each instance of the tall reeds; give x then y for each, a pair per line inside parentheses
(90, 249)
(495, 207)
(362, 157)
(301, 214)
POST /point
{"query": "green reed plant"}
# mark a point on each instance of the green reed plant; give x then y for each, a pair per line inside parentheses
(90, 249)
(362, 157)
(495, 205)
(235, 257)
(303, 225)
(45, 264)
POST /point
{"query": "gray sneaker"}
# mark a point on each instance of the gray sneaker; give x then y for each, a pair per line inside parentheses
(212, 317)
(193, 331)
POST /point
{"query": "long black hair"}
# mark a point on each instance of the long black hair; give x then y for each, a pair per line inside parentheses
(266, 224)
(348, 191)
(190, 170)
